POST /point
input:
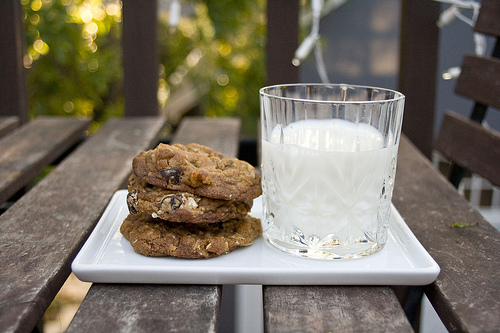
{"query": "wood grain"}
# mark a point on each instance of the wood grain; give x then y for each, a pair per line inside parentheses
(24, 153)
(148, 308)
(470, 145)
(332, 309)
(220, 134)
(466, 294)
(479, 81)
(42, 232)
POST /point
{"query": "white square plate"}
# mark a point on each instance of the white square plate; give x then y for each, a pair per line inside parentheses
(107, 257)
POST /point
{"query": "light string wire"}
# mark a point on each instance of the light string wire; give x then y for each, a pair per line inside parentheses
(454, 11)
(311, 42)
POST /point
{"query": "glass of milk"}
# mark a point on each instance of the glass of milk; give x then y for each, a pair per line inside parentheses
(329, 155)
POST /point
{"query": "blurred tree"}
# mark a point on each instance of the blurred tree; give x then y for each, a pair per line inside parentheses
(74, 57)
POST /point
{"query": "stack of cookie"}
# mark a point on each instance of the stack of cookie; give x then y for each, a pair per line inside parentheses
(190, 202)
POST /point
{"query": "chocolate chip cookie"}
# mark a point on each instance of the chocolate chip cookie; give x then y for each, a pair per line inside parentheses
(158, 238)
(176, 206)
(198, 169)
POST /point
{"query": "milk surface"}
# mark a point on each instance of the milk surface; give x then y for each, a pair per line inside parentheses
(327, 186)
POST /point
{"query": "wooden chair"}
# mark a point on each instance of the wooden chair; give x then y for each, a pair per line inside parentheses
(470, 146)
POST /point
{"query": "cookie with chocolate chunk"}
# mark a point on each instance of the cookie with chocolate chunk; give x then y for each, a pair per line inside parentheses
(159, 238)
(198, 169)
(176, 206)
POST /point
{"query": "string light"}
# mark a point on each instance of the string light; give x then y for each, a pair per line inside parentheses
(453, 12)
(312, 42)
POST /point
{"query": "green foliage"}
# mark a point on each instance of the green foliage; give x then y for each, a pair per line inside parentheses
(220, 49)
(74, 57)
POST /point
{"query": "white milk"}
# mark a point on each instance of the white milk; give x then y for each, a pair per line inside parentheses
(327, 188)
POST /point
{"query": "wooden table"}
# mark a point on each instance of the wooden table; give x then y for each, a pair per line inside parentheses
(43, 228)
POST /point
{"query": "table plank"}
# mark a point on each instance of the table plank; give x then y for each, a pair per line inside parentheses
(148, 308)
(466, 294)
(25, 152)
(162, 307)
(332, 309)
(221, 134)
(8, 124)
(42, 232)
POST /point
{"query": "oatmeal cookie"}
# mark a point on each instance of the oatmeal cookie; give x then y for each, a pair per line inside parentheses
(159, 238)
(176, 206)
(198, 169)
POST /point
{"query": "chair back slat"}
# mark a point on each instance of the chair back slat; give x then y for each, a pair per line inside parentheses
(487, 21)
(479, 80)
(470, 145)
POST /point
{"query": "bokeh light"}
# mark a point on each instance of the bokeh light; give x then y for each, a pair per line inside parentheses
(73, 54)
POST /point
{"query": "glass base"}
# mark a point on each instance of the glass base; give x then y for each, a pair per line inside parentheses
(334, 253)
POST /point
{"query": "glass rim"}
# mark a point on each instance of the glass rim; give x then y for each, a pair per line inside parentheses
(397, 95)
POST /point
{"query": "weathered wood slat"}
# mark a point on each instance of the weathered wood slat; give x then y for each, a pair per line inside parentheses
(24, 153)
(332, 309)
(487, 21)
(148, 308)
(466, 294)
(8, 124)
(221, 134)
(470, 145)
(42, 232)
(478, 80)
(162, 307)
